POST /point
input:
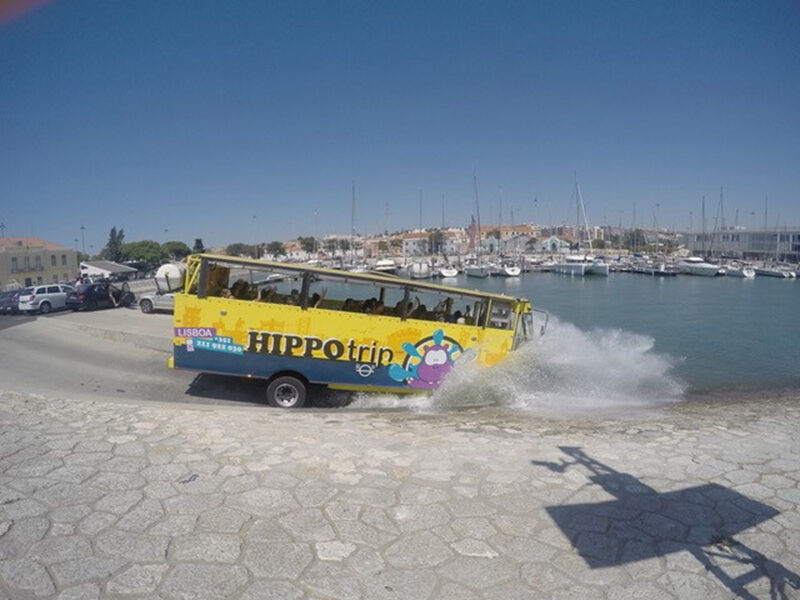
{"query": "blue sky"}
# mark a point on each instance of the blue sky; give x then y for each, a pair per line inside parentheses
(237, 121)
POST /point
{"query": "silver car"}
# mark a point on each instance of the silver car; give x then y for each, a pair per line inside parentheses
(164, 301)
(44, 298)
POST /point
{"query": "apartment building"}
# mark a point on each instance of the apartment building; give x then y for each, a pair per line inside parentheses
(26, 261)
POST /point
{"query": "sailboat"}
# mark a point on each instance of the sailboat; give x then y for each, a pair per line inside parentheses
(473, 267)
(581, 264)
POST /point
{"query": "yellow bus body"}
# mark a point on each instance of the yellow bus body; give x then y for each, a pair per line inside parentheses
(344, 350)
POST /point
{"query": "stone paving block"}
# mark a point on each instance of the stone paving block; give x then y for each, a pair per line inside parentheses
(222, 519)
(139, 547)
(58, 549)
(418, 584)
(274, 590)
(263, 502)
(20, 535)
(87, 591)
(137, 579)
(277, 560)
(203, 582)
(205, 547)
(307, 525)
(478, 573)
(27, 576)
(330, 580)
(421, 549)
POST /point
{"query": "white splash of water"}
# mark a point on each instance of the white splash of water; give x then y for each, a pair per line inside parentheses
(567, 371)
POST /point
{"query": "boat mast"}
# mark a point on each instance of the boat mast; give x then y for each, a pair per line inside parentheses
(477, 216)
(703, 226)
(582, 211)
(353, 223)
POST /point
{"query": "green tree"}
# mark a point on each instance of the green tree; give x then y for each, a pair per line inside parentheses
(276, 249)
(396, 243)
(599, 244)
(113, 248)
(240, 249)
(198, 246)
(494, 233)
(308, 244)
(145, 252)
(383, 246)
(175, 250)
(330, 245)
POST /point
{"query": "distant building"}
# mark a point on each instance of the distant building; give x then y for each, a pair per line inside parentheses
(770, 244)
(106, 269)
(554, 244)
(26, 261)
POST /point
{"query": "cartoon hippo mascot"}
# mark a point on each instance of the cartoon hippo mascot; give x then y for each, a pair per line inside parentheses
(434, 364)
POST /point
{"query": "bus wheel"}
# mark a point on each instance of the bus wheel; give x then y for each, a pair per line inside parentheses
(286, 392)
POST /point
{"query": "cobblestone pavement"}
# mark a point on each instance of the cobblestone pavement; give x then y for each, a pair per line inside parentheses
(116, 500)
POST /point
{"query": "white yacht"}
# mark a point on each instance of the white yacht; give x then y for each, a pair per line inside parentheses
(694, 265)
(447, 271)
(420, 270)
(738, 270)
(504, 268)
(385, 265)
(774, 271)
(473, 268)
(581, 265)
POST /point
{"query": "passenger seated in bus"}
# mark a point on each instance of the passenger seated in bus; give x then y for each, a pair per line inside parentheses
(241, 290)
(266, 294)
(293, 298)
(315, 301)
(421, 312)
(350, 305)
(226, 293)
(377, 308)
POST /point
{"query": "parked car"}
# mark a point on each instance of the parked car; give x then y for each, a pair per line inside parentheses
(44, 298)
(92, 296)
(9, 302)
(164, 301)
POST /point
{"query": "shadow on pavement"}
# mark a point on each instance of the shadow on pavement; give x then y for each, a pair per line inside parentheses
(253, 391)
(642, 523)
(8, 321)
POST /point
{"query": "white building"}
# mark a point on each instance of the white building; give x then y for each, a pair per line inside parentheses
(105, 269)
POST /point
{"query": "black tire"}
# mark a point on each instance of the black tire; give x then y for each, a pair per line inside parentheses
(286, 392)
(91, 305)
(45, 307)
(146, 306)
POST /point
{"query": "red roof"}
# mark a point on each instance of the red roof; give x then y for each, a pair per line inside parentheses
(23, 242)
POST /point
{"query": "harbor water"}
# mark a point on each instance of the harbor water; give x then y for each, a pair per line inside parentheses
(629, 340)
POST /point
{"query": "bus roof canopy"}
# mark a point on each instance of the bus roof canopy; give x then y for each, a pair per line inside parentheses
(366, 277)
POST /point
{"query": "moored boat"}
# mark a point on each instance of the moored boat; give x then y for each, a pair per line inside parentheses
(420, 270)
(385, 265)
(694, 265)
(741, 271)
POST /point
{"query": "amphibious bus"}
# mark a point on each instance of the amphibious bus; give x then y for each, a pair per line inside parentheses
(296, 326)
